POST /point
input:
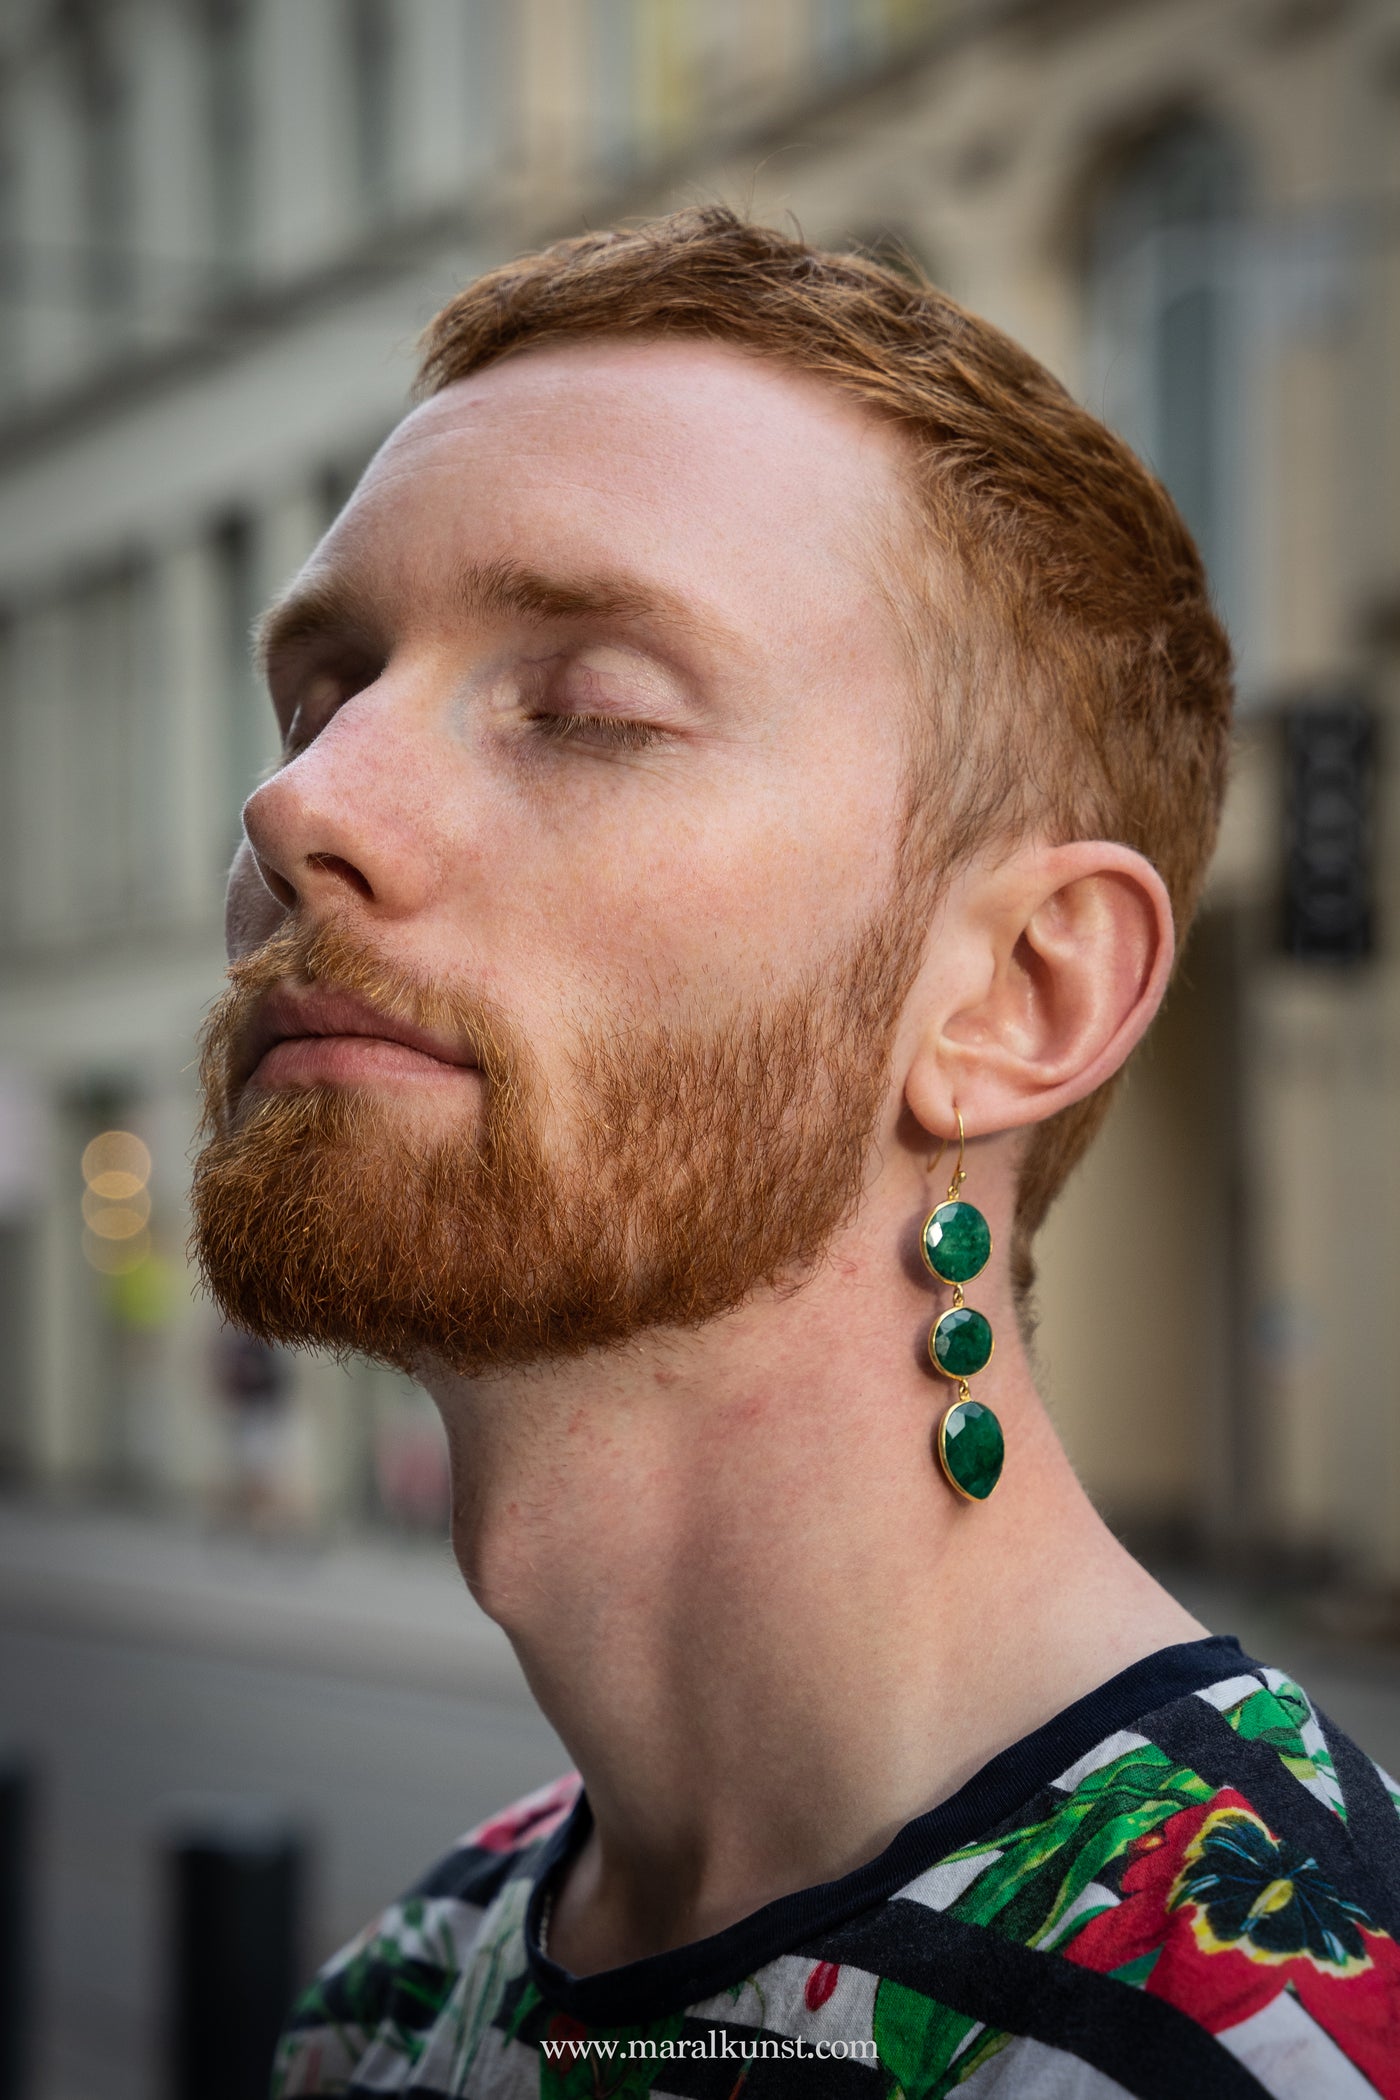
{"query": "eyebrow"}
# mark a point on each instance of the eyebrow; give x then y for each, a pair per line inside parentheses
(510, 588)
(322, 605)
(309, 608)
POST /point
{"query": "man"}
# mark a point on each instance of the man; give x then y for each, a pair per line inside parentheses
(751, 744)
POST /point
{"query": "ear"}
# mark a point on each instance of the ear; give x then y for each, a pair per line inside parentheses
(1047, 971)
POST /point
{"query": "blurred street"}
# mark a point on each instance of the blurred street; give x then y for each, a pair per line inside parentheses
(142, 1669)
(356, 1688)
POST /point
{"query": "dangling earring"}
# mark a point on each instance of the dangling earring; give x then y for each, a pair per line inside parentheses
(956, 1244)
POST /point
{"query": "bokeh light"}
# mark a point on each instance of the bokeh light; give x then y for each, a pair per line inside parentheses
(116, 1185)
(117, 1257)
(116, 1202)
(116, 1164)
(116, 1221)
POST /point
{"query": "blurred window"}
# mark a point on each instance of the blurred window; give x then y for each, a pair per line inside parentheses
(372, 56)
(12, 793)
(615, 63)
(334, 487)
(245, 711)
(17, 1265)
(339, 478)
(112, 757)
(103, 108)
(1165, 325)
(491, 87)
(681, 61)
(837, 27)
(230, 113)
(84, 806)
(12, 273)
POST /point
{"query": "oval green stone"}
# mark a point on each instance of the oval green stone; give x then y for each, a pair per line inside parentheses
(971, 1448)
(957, 1242)
(961, 1342)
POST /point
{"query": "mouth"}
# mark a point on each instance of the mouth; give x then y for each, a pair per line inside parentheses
(314, 1036)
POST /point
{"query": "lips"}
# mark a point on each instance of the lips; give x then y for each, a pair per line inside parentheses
(313, 1032)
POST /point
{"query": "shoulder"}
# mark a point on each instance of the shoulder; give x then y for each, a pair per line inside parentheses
(1216, 1887)
(377, 1999)
(1261, 1894)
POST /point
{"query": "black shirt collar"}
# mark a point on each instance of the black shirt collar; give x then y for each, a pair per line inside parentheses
(648, 1990)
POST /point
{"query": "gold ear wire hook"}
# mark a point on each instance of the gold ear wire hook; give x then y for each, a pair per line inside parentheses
(960, 1171)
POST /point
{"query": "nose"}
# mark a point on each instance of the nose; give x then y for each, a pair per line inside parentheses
(350, 820)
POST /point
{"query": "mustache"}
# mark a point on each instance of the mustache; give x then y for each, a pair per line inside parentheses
(334, 958)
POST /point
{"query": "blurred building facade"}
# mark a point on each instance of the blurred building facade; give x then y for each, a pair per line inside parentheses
(222, 223)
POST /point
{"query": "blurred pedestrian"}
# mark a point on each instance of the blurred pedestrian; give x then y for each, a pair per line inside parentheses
(253, 1383)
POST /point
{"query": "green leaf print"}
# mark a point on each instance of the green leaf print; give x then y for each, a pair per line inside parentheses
(496, 1957)
(1284, 1719)
(1273, 1718)
(1045, 1867)
(1032, 1877)
(919, 2040)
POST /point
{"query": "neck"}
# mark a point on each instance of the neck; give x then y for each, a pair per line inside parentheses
(765, 1628)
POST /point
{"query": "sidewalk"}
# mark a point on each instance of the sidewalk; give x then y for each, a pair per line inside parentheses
(368, 1609)
(151, 1670)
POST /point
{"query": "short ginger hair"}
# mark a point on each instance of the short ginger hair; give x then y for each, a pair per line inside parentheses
(1074, 680)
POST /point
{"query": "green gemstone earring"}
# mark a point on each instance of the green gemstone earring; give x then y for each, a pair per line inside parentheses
(956, 1244)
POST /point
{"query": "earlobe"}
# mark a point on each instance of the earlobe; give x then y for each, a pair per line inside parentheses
(1074, 946)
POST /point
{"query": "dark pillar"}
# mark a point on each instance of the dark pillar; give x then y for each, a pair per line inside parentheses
(16, 1928)
(237, 1889)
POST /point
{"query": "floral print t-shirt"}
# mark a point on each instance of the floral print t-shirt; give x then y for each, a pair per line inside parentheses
(1187, 1884)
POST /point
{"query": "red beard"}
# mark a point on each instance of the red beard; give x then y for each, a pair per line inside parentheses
(699, 1167)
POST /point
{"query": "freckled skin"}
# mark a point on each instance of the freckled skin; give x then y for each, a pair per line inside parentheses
(736, 1581)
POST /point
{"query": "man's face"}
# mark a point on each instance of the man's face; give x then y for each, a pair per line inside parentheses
(596, 725)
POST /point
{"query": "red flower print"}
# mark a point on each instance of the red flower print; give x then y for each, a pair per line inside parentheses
(820, 1984)
(1233, 1916)
(533, 1817)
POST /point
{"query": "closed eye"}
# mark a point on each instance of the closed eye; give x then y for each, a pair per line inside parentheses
(617, 730)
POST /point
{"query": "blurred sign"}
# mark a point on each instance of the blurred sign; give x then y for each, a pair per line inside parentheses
(1328, 891)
